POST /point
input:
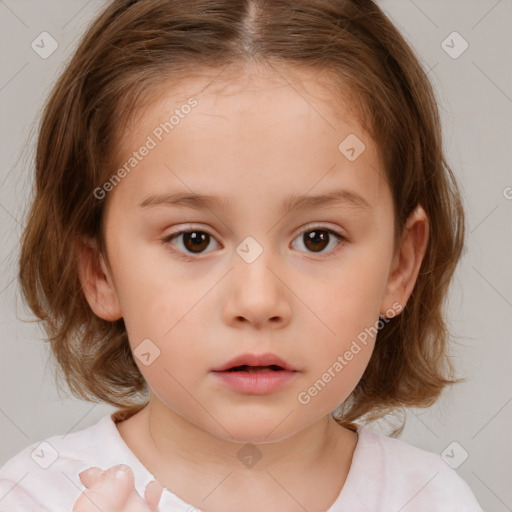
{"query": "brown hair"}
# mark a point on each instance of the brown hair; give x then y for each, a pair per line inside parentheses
(134, 46)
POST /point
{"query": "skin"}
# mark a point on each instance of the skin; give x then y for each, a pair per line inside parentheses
(254, 138)
(113, 490)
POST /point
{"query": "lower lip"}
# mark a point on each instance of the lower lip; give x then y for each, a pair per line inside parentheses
(255, 383)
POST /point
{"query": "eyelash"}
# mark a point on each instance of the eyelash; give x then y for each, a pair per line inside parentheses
(188, 257)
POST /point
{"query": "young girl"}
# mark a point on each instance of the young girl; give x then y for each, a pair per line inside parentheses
(191, 158)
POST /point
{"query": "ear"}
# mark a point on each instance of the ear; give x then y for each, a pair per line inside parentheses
(96, 281)
(407, 262)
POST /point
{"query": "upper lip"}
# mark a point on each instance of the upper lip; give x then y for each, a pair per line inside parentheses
(267, 359)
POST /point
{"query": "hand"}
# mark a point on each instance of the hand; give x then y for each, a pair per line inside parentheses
(109, 493)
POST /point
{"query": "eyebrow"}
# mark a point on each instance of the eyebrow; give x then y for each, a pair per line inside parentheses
(291, 203)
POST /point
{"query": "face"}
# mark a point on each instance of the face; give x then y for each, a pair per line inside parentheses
(256, 271)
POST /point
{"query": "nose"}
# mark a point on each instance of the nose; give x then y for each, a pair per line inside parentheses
(258, 294)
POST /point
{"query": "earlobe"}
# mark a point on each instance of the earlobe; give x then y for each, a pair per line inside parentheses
(96, 281)
(407, 262)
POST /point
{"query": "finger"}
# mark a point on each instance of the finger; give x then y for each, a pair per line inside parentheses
(136, 503)
(153, 494)
(90, 476)
(109, 493)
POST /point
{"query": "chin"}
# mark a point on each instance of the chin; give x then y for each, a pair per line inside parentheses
(256, 428)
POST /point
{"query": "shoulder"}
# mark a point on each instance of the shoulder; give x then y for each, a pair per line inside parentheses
(409, 477)
(44, 475)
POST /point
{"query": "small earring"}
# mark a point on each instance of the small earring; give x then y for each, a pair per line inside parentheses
(382, 322)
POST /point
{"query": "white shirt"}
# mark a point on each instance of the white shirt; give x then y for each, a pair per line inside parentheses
(386, 475)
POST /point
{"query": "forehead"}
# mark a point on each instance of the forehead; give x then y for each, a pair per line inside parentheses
(257, 128)
(248, 87)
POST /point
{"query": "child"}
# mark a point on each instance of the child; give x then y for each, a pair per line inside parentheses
(189, 159)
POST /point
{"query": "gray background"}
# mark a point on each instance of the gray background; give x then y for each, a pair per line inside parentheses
(475, 98)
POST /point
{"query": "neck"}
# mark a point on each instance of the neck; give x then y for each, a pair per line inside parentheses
(308, 467)
(175, 437)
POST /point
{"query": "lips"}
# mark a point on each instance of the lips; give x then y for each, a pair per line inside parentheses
(253, 363)
(255, 374)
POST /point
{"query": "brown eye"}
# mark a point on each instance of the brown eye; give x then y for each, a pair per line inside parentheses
(196, 241)
(316, 240)
(192, 241)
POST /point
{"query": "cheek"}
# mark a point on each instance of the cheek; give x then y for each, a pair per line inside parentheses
(177, 359)
(348, 307)
(169, 380)
(169, 316)
(351, 301)
(153, 294)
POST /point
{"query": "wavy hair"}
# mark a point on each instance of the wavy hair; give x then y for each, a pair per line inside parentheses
(134, 46)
